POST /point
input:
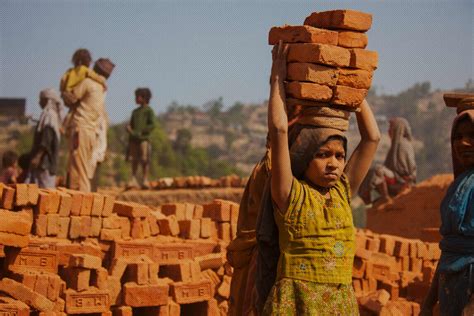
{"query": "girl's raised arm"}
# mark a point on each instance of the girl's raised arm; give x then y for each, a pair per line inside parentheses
(361, 159)
(282, 176)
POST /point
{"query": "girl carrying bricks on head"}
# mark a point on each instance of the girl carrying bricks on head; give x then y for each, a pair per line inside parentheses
(453, 282)
(309, 192)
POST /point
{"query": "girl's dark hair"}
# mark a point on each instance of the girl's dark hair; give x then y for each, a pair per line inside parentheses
(340, 138)
(9, 158)
(24, 161)
(81, 57)
(145, 93)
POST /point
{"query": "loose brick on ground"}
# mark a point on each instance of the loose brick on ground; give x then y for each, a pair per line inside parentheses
(191, 292)
(92, 301)
(8, 197)
(145, 295)
(85, 261)
(97, 204)
(24, 294)
(31, 259)
(131, 209)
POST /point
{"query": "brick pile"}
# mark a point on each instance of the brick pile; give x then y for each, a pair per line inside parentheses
(328, 64)
(420, 204)
(68, 252)
(392, 274)
(233, 181)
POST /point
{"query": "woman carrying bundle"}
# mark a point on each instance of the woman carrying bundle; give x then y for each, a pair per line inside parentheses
(309, 193)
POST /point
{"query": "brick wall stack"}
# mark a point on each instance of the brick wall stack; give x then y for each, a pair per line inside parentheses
(233, 181)
(391, 274)
(328, 64)
(68, 252)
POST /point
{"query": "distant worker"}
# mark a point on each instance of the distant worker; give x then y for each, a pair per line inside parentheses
(81, 59)
(453, 282)
(141, 125)
(399, 170)
(9, 172)
(44, 153)
(85, 120)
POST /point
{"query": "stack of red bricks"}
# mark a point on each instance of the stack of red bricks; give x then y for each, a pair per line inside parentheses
(391, 274)
(199, 182)
(328, 65)
(67, 252)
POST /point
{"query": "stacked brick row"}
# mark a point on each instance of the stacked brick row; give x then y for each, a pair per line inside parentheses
(328, 65)
(199, 182)
(113, 257)
(392, 275)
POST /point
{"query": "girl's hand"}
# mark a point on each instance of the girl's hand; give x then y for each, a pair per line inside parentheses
(279, 53)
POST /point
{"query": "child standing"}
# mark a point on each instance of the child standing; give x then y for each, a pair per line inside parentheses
(9, 171)
(310, 187)
(141, 124)
(81, 59)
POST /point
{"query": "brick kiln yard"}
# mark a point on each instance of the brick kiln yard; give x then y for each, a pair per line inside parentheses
(67, 252)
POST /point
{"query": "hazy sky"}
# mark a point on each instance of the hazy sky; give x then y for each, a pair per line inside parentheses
(195, 51)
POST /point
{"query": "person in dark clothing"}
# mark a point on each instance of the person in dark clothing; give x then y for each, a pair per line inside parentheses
(44, 154)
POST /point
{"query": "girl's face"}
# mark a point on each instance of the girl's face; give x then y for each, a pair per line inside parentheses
(328, 164)
(463, 143)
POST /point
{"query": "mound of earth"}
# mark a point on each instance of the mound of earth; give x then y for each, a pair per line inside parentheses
(414, 213)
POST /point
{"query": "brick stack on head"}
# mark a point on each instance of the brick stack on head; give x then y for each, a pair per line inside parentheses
(329, 69)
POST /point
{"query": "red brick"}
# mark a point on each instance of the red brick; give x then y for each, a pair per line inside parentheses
(387, 244)
(21, 194)
(308, 91)
(169, 226)
(85, 226)
(65, 250)
(363, 59)
(224, 288)
(153, 270)
(363, 253)
(378, 271)
(198, 211)
(191, 292)
(416, 264)
(107, 234)
(76, 200)
(172, 253)
(407, 277)
(312, 73)
(355, 78)
(223, 232)
(123, 311)
(358, 269)
(218, 210)
(373, 244)
(131, 209)
(323, 54)
(52, 224)
(176, 209)
(401, 248)
(10, 306)
(145, 227)
(19, 222)
(348, 97)
(352, 39)
(421, 250)
(108, 205)
(41, 285)
(145, 295)
(92, 301)
(96, 226)
(54, 201)
(126, 249)
(75, 227)
(97, 204)
(186, 271)
(301, 34)
(210, 261)
(153, 223)
(8, 196)
(86, 206)
(65, 203)
(138, 272)
(32, 259)
(205, 227)
(85, 261)
(391, 287)
(190, 229)
(111, 222)
(340, 19)
(137, 229)
(24, 294)
(78, 279)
